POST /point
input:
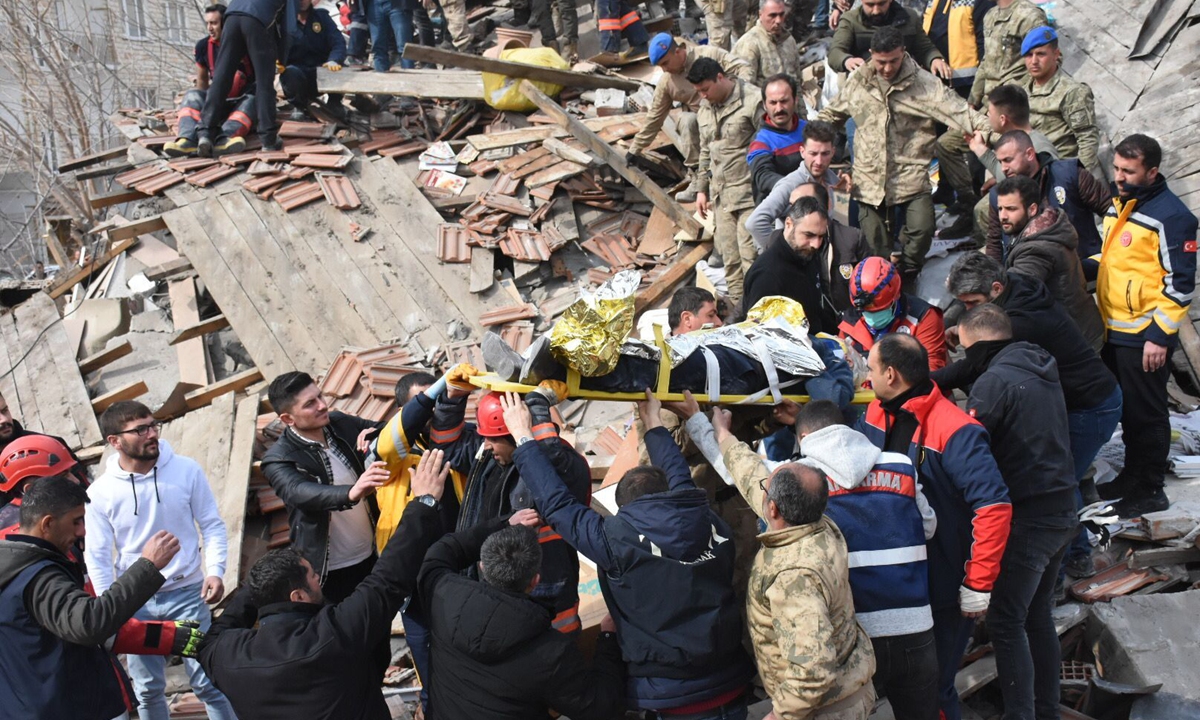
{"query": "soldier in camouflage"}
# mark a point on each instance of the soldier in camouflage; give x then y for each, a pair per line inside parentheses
(1004, 28)
(723, 19)
(1063, 109)
(814, 659)
(767, 47)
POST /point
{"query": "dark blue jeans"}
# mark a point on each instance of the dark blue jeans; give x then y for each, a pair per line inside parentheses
(391, 27)
(418, 637)
(1090, 429)
(906, 673)
(360, 30)
(951, 633)
(1019, 618)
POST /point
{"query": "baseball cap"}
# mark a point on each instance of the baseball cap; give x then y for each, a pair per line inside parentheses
(659, 45)
(1038, 37)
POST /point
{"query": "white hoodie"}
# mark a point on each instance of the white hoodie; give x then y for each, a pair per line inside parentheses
(127, 509)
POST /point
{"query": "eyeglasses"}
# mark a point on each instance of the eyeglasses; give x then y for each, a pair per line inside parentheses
(143, 430)
(762, 485)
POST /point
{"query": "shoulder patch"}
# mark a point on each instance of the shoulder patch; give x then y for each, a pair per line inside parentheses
(1060, 194)
(1189, 246)
(316, 26)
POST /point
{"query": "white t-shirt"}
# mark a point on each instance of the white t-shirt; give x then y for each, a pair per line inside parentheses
(351, 538)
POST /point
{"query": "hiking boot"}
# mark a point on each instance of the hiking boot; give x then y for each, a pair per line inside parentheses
(635, 51)
(1080, 566)
(715, 260)
(553, 45)
(229, 146)
(1117, 488)
(351, 60)
(689, 193)
(500, 358)
(1142, 501)
(298, 115)
(181, 147)
(539, 364)
(272, 143)
(204, 147)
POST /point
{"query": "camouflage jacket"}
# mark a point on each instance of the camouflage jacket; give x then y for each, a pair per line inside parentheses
(673, 89)
(1064, 110)
(725, 134)
(810, 649)
(852, 39)
(894, 143)
(767, 55)
(1004, 30)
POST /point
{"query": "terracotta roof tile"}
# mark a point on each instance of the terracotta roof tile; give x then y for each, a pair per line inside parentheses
(452, 244)
(189, 164)
(208, 176)
(508, 314)
(339, 191)
(524, 245)
(293, 129)
(324, 161)
(297, 195)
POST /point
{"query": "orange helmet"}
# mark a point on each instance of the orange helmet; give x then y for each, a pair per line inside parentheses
(874, 284)
(489, 417)
(33, 456)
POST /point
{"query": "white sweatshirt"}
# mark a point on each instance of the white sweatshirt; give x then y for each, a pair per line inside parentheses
(127, 509)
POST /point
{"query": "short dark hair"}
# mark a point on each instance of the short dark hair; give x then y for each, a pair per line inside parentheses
(1026, 187)
(1020, 137)
(1141, 147)
(987, 320)
(687, 299)
(275, 576)
(1012, 101)
(805, 206)
(216, 8)
(904, 354)
(407, 382)
(800, 493)
(820, 131)
(639, 481)
(973, 274)
(54, 496)
(704, 69)
(886, 39)
(113, 420)
(818, 415)
(510, 559)
(782, 77)
(820, 193)
(283, 390)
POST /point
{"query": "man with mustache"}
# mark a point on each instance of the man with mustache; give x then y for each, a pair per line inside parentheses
(851, 46)
(778, 146)
(767, 47)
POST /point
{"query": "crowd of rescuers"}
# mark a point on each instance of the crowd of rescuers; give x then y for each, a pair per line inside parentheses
(852, 565)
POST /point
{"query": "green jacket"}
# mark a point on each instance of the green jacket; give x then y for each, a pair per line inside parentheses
(852, 39)
(1004, 30)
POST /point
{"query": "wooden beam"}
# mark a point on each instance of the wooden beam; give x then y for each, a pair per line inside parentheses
(92, 363)
(117, 198)
(538, 133)
(674, 275)
(54, 243)
(566, 78)
(233, 383)
(566, 152)
(127, 392)
(92, 159)
(199, 329)
(1157, 557)
(63, 286)
(445, 84)
(137, 227)
(1189, 342)
(615, 160)
(103, 171)
(169, 268)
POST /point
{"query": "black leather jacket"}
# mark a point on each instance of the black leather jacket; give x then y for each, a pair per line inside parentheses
(299, 476)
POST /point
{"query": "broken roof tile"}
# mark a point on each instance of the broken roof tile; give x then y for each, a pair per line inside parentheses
(519, 160)
(293, 129)
(409, 148)
(524, 245)
(156, 184)
(324, 161)
(506, 204)
(518, 335)
(612, 249)
(504, 184)
(499, 316)
(452, 243)
(190, 164)
(262, 183)
(342, 377)
(130, 177)
(546, 161)
(315, 149)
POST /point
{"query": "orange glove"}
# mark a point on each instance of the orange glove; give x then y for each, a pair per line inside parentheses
(460, 375)
(553, 390)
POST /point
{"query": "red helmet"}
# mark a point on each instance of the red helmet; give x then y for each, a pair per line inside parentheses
(33, 456)
(489, 417)
(874, 284)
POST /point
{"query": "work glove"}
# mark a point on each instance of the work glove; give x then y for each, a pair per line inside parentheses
(973, 601)
(555, 391)
(460, 376)
(187, 638)
(332, 66)
(279, 68)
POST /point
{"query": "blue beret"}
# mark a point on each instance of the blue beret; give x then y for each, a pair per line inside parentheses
(1038, 37)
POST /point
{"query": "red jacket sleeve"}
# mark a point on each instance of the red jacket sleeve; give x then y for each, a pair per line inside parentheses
(931, 333)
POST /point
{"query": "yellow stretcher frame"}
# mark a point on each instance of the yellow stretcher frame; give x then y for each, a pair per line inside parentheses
(491, 381)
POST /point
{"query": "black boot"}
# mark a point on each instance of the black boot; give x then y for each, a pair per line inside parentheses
(1142, 500)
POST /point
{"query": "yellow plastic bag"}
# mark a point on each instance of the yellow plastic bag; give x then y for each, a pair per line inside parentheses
(504, 93)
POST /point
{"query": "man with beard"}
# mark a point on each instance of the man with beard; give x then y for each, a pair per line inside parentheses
(767, 47)
(777, 148)
(851, 46)
(145, 489)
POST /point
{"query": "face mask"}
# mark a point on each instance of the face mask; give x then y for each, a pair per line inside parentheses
(879, 319)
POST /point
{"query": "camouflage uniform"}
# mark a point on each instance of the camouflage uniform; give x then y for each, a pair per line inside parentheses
(723, 19)
(814, 658)
(455, 12)
(673, 89)
(1004, 30)
(768, 56)
(1064, 110)
(893, 146)
(725, 134)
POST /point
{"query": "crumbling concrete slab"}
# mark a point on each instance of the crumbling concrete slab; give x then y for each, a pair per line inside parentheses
(1143, 640)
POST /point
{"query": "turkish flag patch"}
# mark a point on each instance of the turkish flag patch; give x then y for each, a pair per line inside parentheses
(1189, 246)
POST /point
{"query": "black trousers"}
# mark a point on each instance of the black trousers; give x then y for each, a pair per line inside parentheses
(243, 35)
(340, 584)
(1145, 418)
(906, 673)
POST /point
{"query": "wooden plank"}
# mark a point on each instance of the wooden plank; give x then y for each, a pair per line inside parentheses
(538, 133)
(230, 491)
(117, 198)
(137, 227)
(92, 363)
(233, 383)
(200, 329)
(566, 152)
(14, 376)
(54, 243)
(191, 356)
(64, 285)
(675, 274)
(566, 78)
(483, 270)
(615, 160)
(94, 158)
(125, 392)
(1157, 557)
(103, 171)
(444, 84)
(167, 269)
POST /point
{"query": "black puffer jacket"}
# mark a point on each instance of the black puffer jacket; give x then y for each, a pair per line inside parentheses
(1045, 249)
(495, 655)
(299, 476)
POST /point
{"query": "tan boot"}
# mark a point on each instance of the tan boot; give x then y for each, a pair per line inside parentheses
(570, 52)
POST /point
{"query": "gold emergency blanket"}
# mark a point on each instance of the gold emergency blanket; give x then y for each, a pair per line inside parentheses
(776, 324)
(588, 336)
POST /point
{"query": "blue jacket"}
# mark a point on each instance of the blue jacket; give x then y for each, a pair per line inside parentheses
(665, 565)
(316, 41)
(772, 154)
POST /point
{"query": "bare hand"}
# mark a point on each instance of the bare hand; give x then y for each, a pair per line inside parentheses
(987, 185)
(516, 416)
(607, 624)
(786, 412)
(212, 590)
(363, 444)
(373, 478)
(685, 409)
(722, 421)
(845, 182)
(649, 409)
(429, 476)
(527, 517)
(853, 64)
(940, 68)
(1153, 356)
(834, 15)
(952, 337)
(161, 548)
(771, 716)
(977, 143)
(702, 205)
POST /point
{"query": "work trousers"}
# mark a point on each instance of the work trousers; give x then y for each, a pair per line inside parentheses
(906, 673)
(1090, 429)
(951, 633)
(951, 152)
(455, 12)
(1145, 419)
(617, 19)
(416, 633)
(243, 35)
(723, 19)
(299, 84)
(340, 584)
(238, 111)
(687, 138)
(916, 233)
(736, 246)
(360, 30)
(1019, 618)
(568, 15)
(736, 709)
